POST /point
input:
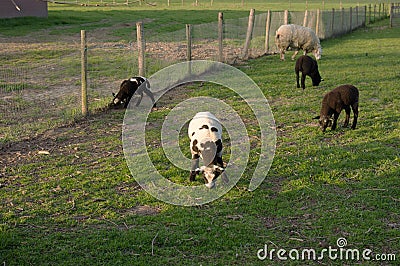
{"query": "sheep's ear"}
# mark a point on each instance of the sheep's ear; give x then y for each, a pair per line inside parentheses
(113, 94)
(317, 117)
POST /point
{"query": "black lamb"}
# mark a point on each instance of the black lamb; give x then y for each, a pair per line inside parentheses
(129, 87)
(308, 67)
(342, 97)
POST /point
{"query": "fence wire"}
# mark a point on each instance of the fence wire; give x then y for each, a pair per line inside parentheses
(35, 96)
(44, 93)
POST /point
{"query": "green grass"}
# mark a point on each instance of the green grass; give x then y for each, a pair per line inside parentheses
(70, 19)
(79, 205)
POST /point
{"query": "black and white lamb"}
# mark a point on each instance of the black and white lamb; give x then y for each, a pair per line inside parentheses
(297, 37)
(129, 87)
(308, 67)
(205, 133)
(342, 97)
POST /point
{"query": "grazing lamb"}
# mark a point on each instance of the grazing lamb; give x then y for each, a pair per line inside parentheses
(129, 87)
(297, 37)
(205, 133)
(308, 67)
(334, 102)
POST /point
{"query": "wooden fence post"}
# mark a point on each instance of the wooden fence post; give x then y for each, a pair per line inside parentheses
(248, 34)
(369, 17)
(317, 23)
(84, 73)
(365, 16)
(356, 16)
(220, 36)
(286, 17)
(379, 12)
(141, 48)
(189, 47)
(267, 30)
(342, 20)
(351, 19)
(333, 22)
(305, 18)
(188, 42)
(391, 15)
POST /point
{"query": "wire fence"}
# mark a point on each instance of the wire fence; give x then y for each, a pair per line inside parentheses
(46, 92)
(395, 15)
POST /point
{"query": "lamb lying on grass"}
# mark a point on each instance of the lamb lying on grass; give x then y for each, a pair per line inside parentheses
(342, 97)
(308, 67)
(297, 37)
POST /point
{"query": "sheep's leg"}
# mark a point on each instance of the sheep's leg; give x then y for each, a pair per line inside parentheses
(150, 94)
(346, 121)
(297, 79)
(355, 112)
(219, 161)
(195, 165)
(140, 98)
(303, 81)
(295, 53)
(282, 55)
(335, 118)
(128, 99)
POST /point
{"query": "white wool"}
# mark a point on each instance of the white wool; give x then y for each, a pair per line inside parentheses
(204, 118)
(297, 37)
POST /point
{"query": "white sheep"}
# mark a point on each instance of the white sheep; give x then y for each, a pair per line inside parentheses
(297, 37)
(205, 133)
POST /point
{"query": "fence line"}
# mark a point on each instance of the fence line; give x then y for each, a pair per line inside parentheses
(46, 93)
(394, 15)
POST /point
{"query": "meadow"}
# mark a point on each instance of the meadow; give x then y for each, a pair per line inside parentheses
(68, 196)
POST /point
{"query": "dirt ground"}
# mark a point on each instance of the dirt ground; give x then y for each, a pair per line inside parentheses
(37, 106)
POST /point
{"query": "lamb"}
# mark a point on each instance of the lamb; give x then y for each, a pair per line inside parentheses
(129, 87)
(205, 133)
(297, 37)
(334, 102)
(308, 67)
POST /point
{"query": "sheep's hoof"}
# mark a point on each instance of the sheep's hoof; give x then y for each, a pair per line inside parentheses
(192, 176)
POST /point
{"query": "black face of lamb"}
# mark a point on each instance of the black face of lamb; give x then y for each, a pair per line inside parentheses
(125, 93)
(325, 122)
(211, 153)
(316, 78)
